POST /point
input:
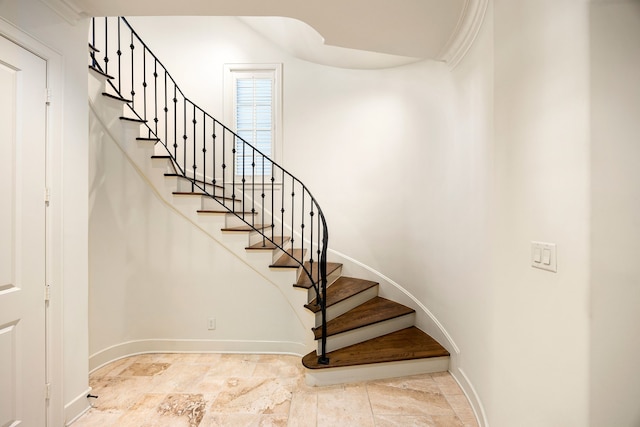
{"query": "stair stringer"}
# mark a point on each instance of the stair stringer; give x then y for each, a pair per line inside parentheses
(107, 112)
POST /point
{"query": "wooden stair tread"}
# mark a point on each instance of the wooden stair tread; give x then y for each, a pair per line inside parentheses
(267, 245)
(224, 211)
(285, 261)
(100, 72)
(340, 290)
(132, 119)
(375, 310)
(305, 282)
(116, 97)
(198, 181)
(245, 228)
(196, 193)
(406, 344)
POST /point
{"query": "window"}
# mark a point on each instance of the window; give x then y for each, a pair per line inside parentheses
(253, 96)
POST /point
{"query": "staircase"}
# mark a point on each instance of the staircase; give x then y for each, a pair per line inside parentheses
(359, 334)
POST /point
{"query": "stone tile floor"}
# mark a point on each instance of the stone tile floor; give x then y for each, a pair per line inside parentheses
(202, 390)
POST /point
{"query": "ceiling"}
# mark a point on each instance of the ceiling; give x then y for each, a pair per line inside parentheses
(374, 33)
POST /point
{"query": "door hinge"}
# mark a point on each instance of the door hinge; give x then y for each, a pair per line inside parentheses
(47, 293)
(47, 96)
(47, 391)
(47, 195)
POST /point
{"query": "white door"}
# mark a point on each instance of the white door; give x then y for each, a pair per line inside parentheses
(22, 236)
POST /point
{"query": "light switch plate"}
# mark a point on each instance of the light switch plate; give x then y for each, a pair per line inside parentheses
(548, 260)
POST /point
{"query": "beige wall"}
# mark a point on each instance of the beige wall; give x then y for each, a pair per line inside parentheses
(615, 213)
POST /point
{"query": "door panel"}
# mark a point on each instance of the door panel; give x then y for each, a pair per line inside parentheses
(22, 236)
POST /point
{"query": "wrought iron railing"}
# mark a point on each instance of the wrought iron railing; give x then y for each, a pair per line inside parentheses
(203, 151)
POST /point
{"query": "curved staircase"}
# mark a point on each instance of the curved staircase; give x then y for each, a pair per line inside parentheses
(359, 334)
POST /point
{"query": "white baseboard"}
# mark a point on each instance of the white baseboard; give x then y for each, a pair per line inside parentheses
(131, 348)
(473, 398)
(76, 408)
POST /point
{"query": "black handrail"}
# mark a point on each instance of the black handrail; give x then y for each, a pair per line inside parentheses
(182, 128)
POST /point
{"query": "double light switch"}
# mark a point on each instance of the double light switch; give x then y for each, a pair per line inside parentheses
(543, 256)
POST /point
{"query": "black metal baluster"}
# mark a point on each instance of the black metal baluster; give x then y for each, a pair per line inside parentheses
(262, 203)
(144, 84)
(106, 45)
(166, 112)
(311, 242)
(175, 123)
(93, 42)
(119, 52)
(213, 161)
(282, 207)
(253, 188)
(302, 225)
(195, 177)
(273, 198)
(244, 162)
(319, 236)
(224, 165)
(233, 175)
(184, 133)
(133, 92)
(293, 208)
(204, 154)
(155, 103)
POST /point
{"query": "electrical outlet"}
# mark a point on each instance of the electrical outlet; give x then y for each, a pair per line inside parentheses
(211, 323)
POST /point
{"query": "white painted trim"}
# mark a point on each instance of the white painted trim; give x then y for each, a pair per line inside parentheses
(472, 396)
(66, 9)
(130, 348)
(465, 33)
(77, 407)
(53, 214)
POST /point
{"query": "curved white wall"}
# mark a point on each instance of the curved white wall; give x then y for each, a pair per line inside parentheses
(615, 209)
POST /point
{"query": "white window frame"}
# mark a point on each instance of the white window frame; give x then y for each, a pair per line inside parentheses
(234, 71)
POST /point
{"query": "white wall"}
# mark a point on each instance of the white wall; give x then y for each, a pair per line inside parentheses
(615, 210)
(539, 337)
(67, 178)
(156, 277)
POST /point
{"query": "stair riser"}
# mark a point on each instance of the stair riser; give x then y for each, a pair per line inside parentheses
(234, 221)
(209, 203)
(162, 164)
(376, 371)
(348, 304)
(365, 333)
(311, 295)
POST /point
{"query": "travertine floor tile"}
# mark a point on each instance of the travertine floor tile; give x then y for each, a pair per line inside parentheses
(207, 390)
(400, 401)
(344, 405)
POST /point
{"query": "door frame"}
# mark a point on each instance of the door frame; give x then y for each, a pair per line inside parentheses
(53, 216)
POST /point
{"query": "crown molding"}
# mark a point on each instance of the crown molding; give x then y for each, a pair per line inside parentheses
(67, 9)
(465, 33)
